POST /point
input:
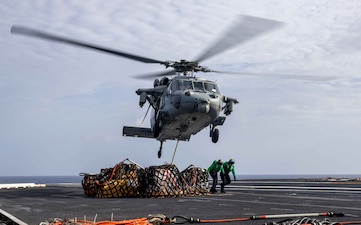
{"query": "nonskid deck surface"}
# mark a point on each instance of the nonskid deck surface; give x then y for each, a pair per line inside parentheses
(243, 199)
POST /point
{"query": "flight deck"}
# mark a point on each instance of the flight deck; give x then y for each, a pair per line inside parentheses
(242, 199)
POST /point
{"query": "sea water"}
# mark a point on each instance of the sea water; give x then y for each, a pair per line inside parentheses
(78, 179)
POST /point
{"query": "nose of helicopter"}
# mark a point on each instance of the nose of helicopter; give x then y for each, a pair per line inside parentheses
(203, 107)
(200, 102)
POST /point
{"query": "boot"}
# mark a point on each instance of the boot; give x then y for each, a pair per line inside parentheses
(222, 188)
(213, 191)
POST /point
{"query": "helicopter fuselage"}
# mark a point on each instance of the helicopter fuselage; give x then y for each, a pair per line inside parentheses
(182, 106)
(186, 106)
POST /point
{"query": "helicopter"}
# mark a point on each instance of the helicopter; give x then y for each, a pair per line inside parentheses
(182, 106)
(182, 103)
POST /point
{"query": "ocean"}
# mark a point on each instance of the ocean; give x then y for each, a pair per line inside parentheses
(78, 179)
(41, 179)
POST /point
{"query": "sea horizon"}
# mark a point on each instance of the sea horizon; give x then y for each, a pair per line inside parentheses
(71, 179)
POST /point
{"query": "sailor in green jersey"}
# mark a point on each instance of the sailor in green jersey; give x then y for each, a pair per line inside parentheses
(213, 171)
(226, 168)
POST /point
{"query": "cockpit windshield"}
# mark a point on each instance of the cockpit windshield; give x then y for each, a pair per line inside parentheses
(196, 85)
(182, 85)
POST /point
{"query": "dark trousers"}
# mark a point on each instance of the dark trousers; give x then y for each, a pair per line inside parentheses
(225, 180)
(214, 183)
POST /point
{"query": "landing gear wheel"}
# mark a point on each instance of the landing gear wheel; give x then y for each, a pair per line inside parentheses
(215, 135)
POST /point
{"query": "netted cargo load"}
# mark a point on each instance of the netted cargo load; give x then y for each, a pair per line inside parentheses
(123, 180)
(162, 181)
(132, 180)
(89, 184)
(194, 180)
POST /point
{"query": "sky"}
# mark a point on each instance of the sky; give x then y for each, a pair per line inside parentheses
(62, 108)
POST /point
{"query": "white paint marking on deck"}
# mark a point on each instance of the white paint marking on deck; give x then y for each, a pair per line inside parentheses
(294, 188)
(11, 217)
(20, 185)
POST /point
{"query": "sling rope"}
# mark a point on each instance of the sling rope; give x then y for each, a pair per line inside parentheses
(175, 150)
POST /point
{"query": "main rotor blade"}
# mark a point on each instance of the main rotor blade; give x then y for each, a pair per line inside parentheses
(283, 76)
(40, 34)
(244, 29)
(155, 74)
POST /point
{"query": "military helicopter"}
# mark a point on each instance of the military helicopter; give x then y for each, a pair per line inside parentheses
(182, 104)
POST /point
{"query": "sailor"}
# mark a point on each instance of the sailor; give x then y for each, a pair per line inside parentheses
(226, 168)
(213, 171)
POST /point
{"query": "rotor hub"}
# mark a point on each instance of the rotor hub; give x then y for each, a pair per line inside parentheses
(184, 66)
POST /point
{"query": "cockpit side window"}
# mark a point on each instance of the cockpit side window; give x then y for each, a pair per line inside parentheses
(211, 86)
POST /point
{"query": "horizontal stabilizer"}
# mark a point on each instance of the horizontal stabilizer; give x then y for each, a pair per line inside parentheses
(138, 132)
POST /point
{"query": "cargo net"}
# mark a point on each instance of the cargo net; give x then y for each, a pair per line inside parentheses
(123, 180)
(132, 180)
(195, 181)
(161, 181)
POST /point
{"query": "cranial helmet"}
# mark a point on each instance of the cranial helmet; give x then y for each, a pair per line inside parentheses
(231, 161)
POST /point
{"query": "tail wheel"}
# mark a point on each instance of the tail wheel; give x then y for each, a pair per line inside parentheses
(215, 135)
